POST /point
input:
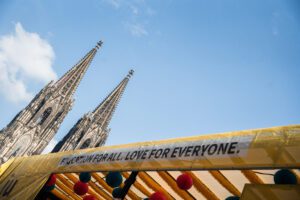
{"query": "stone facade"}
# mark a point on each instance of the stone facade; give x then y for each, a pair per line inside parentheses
(92, 129)
(32, 129)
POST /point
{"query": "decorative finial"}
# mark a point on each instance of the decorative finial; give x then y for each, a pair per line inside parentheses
(99, 44)
(130, 73)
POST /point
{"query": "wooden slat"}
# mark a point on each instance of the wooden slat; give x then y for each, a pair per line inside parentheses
(201, 187)
(60, 195)
(172, 183)
(102, 182)
(109, 189)
(65, 181)
(153, 185)
(67, 190)
(225, 182)
(100, 194)
(138, 185)
(132, 195)
(252, 177)
(296, 172)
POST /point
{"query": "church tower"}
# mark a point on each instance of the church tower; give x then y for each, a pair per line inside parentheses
(32, 129)
(92, 129)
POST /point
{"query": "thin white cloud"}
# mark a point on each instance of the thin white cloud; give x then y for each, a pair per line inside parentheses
(50, 146)
(137, 30)
(275, 18)
(274, 30)
(134, 9)
(24, 57)
(138, 13)
(115, 3)
(150, 11)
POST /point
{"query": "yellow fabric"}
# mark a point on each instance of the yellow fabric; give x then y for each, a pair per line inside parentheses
(278, 192)
(252, 149)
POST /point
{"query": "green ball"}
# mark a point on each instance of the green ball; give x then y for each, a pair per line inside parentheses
(85, 177)
(114, 179)
(117, 192)
(49, 188)
(285, 176)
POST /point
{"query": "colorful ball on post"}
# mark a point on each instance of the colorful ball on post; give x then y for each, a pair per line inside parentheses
(81, 188)
(157, 196)
(285, 176)
(117, 192)
(184, 181)
(89, 197)
(233, 198)
(51, 180)
(85, 177)
(114, 179)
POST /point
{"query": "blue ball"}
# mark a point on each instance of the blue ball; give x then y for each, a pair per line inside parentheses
(85, 177)
(285, 176)
(114, 179)
(49, 188)
(233, 198)
(117, 192)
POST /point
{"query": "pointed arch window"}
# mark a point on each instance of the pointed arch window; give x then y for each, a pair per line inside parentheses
(86, 144)
(100, 143)
(44, 116)
(58, 116)
(80, 137)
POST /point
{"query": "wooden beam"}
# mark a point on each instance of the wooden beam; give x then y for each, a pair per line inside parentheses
(100, 191)
(153, 185)
(102, 182)
(201, 187)
(60, 195)
(172, 183)
(225, 182)
(139, 186)
(110, 189)
(65, 181)
(67, 190)
(100, 194)
(252, 177)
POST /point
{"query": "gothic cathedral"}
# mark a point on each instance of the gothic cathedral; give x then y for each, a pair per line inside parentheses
(32, 129)
(92, 129)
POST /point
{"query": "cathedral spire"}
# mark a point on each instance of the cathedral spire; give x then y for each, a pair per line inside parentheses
(104, 111)
(92, 129)
(33, 128)
(68, 83)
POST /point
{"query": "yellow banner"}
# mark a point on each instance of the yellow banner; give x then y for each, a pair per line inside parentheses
(279, 147)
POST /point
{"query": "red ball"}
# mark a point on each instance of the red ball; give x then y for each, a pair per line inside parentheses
(184, 181)
(157, 196)
(51, 180)
(89, 197)
(81, 188)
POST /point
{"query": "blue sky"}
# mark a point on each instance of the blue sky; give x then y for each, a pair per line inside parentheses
(201, 66)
